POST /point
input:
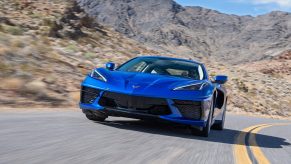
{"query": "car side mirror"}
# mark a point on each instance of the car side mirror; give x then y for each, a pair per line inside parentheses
(220, 79)
(110, 66)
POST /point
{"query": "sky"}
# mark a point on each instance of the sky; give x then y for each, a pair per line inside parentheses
(241, 7)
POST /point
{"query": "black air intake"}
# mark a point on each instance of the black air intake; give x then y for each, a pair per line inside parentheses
(189, 109)
(138, 104)
(88, 95)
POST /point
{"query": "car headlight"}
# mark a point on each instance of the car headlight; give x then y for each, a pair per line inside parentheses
(96, 75)
(198, 86)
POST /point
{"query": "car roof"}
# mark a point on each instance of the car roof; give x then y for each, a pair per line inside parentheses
(165, 57)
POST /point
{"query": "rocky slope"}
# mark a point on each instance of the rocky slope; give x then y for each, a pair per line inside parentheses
(278, 66)
(258, 88)
(201, 31)
(46, 48)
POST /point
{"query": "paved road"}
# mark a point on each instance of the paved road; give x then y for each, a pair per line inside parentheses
(68, 137)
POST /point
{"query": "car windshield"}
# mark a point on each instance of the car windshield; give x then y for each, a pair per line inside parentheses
(164, 66)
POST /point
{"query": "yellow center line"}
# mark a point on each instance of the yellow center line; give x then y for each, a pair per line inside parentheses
(257, 152)
(240, 148)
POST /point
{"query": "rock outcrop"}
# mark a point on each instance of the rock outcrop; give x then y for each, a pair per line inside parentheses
(205, 32)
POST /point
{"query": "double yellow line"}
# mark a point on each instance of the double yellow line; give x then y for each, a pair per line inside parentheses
(240, 148)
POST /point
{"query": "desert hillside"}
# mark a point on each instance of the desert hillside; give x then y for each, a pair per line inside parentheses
(205, 32)
(47, 47)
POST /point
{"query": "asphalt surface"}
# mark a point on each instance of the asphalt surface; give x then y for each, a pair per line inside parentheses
(68, 137)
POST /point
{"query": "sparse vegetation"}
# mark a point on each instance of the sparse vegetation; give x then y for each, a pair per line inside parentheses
(14, 30)
(4, 67)
(51, 67)
(72, 48)
(89, 55)
(241, 86)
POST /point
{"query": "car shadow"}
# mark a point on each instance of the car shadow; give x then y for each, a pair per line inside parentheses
(227, 136)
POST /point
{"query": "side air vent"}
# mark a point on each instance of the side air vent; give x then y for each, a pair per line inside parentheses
(189, 109)
(88, 95)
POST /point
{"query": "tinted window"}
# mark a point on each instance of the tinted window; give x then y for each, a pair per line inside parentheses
(163, 66)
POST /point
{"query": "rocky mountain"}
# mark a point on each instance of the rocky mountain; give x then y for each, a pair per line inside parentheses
(46, 49)
(199, 31)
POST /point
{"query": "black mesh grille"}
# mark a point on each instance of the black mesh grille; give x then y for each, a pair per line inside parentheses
(189, 109)
(139, 104)
(88, 95)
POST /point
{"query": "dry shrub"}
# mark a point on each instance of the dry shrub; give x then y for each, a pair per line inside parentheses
(14, 30)
(17, 44)
(12, 83)
(75, 96)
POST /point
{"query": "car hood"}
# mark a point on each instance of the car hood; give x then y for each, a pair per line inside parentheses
(144, 84)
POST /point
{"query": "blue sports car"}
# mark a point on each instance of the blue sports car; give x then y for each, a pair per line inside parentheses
(163, 88)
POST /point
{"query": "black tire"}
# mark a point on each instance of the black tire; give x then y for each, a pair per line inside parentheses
(220, 124)
(96, 116)
(206, 130)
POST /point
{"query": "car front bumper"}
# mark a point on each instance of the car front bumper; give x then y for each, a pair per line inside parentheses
(176, 114)
(128, 114)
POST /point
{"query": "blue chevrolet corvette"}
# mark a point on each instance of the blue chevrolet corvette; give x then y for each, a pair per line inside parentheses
(163, 88)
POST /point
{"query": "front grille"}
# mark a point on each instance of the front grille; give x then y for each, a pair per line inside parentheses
(138, 104)
(88, 95)
(189, 109)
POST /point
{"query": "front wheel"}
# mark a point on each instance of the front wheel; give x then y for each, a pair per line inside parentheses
(95, 118)
(206, 130)
(95, 115)
(220, 124)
